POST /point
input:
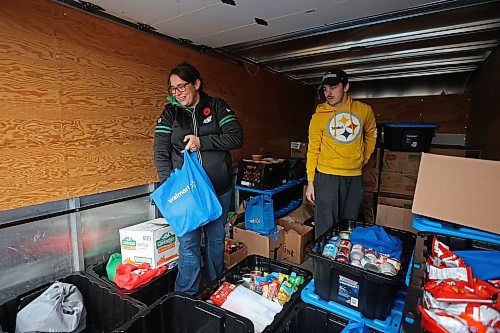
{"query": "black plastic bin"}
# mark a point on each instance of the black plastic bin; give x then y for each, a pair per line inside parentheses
(311, 319)
(181, 313)
(409, 136)
(255, 262)
(106, 310)
(147, 293)
(376, 291)
(423, 247)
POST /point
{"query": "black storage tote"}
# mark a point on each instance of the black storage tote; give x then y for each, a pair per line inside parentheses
(375, 291)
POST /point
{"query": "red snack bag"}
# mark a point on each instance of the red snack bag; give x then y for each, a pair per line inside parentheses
(460, 292)
(220, 296)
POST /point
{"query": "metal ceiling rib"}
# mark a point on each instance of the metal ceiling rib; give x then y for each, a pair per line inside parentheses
(435, 7)
(378, 41)
(480, 46)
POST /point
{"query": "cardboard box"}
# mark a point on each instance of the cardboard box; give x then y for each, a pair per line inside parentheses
(265, 246)
(395, 202)
(464, 191)
(395, 217)
(371, 179)
(367, 208)
(398, 183)
(232, 259)
(296, 238)
(298, 149)
(374, 162)
(399, 161)
(153, 242)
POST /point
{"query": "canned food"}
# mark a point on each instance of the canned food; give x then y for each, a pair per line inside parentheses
(357, 252)
(342, 255)
(394, 262)
(342, 258)
(388, 269)
(344, 243)
(371, 255)
(333, 240)
(382, 258)
(356, 263)
(329, 251)
(372, 267)
(345, 234)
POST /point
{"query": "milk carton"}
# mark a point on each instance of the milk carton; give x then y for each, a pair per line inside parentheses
(153, 242)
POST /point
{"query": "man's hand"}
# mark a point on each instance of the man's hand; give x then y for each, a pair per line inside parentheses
(193, 142)
(365, 161)
(310, 192)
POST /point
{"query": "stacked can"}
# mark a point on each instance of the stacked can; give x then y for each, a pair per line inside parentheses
(343, 250)
(357, 253)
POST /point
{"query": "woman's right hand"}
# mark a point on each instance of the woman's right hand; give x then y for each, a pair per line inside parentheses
(310, 192)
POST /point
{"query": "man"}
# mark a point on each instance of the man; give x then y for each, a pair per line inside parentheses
(342, 135)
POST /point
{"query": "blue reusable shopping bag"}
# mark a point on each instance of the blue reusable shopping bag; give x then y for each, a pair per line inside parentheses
(259, 215)
(187, 200)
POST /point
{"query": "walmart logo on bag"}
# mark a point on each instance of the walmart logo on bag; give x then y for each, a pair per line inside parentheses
(179, 194)
(254, 221)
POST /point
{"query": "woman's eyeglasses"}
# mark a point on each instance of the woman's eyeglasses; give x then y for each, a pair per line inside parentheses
(180, 88)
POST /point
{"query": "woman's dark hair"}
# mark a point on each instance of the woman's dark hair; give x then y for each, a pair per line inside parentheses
(187, 72)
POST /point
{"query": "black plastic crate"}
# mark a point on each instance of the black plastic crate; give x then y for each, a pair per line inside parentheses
(147, 293)
(409, 136)
(309, 318)
(423, 247)
(255, 262)
(261, 175)
(376, 290)
(106, 310)
(181, 313)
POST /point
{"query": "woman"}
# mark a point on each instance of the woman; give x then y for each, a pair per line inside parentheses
(200, 123)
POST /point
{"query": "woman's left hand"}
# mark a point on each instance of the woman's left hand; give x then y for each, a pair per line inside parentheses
(193, 142)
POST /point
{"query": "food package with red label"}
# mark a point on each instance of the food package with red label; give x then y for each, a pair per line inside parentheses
(439, 321)
(445, 265)
(220, 296)
(488, 316)
(460, 292)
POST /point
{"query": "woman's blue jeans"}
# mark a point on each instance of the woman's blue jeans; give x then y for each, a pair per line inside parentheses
(188, 277)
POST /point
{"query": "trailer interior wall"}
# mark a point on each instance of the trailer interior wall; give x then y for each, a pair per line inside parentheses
(483, 132)
(81, 96)
(449, 111)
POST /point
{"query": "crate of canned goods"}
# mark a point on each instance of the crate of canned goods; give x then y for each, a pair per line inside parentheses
(355, 268)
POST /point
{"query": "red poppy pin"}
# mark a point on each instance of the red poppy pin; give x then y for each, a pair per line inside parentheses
(206, 111)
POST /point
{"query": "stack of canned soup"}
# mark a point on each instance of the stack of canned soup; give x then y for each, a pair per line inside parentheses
(340, 248)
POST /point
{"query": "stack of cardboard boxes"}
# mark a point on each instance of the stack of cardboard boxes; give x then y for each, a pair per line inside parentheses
(371, 177)
(398, 179)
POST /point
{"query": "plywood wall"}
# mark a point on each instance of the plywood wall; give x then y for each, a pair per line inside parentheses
(451, 112)
(80, 97)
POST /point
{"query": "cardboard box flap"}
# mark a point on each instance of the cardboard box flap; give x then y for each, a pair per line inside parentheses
(459, 190)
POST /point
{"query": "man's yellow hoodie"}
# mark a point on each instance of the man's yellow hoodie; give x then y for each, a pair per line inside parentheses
(340, 138)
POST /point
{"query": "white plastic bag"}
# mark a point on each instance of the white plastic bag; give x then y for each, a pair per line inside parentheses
(58, 309)
(253, 306)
